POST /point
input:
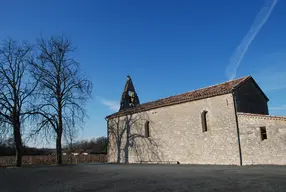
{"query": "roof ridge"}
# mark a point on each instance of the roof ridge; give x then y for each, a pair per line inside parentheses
(201, 93)
(245, 77)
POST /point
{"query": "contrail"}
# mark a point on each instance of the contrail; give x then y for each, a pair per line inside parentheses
(242, 48)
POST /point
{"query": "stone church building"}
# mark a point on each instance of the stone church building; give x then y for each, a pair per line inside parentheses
(227, 123)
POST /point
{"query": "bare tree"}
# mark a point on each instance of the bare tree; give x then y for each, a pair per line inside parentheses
(15, 89)
(71, 133)
(102, 143)
(4, 130)
(63, 90)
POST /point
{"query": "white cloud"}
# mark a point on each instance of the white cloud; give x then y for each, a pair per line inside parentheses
(242, 48)
(112, 105)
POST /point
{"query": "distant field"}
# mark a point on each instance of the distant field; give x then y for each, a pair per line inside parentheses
(51, 159)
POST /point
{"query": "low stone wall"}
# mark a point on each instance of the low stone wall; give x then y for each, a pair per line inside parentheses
(51, 159)
(256, 150)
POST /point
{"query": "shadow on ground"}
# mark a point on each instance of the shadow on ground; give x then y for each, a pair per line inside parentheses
(136, 177)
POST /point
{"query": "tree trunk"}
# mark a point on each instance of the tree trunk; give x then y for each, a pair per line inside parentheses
(18, 144)
(60, 118)
(59, 133)
(59, 148)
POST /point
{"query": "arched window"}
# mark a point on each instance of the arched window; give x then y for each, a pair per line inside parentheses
(147, 129)
(204, 121)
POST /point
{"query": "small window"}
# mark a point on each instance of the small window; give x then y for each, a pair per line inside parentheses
(147, 129)
(204, 121)
(263, 133)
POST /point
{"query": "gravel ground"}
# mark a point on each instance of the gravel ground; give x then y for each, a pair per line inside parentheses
(128, 177)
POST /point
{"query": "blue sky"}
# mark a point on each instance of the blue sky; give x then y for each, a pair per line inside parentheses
(168, 47)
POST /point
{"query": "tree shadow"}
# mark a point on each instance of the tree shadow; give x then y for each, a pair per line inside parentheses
(128, 142)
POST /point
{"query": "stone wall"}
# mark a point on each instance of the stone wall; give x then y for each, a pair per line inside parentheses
(176, 134)
(257, 151)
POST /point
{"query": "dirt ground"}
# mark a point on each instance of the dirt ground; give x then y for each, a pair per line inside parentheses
(136, 177)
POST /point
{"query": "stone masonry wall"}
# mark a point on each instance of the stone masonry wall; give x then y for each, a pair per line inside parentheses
(176, 134)
(256, 151)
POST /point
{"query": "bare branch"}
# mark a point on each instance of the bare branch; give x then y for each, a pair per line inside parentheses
(14, 88)
(62, 90)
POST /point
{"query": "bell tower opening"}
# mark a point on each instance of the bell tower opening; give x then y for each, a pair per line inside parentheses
(129, 96)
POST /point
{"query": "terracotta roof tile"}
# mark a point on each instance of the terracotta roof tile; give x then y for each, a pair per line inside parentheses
(211, 91)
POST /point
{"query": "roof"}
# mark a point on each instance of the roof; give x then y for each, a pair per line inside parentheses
(262, 116)
(211, 91)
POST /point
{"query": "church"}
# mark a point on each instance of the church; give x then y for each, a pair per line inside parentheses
(226, 124)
